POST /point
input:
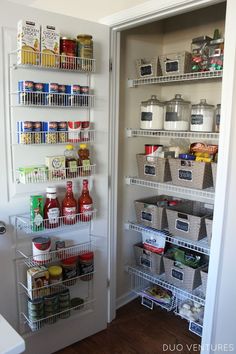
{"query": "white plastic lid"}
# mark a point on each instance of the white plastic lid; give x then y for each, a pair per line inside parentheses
(51, 190)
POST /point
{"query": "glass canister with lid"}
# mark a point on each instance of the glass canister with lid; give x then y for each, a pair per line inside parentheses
(152, 114)
(177, 114)
(202, 117)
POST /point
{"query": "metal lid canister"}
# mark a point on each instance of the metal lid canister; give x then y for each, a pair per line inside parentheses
(152, 114)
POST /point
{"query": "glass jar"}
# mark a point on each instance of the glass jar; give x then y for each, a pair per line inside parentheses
(68, 53)
(202, 117)
(55, 274)
(217, 118)
(85, 46)
(69, 266)
(177, 114)
(152, 114)
(86, 265)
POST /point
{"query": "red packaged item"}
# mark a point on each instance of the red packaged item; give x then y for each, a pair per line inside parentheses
(85, 203)
(51, 209)
(69, 206)
(85, 131)
(74, 129)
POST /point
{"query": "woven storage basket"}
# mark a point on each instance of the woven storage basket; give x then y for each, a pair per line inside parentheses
(149, 260)
(192, 174)
(204, 275)
(155, 170)
(180, 275)
(214, 171)
(175, 63)
(187, 220)
(149, 214)
(209, 229)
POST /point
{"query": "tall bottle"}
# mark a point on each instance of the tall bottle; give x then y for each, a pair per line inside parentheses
(84, 160)
(69, 206)
(51, 209)
(71, 162)
(85, 203)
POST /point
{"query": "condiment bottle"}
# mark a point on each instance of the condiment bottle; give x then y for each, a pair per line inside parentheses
(83, 160)
(71, 161)
(51, 209)
(85, 203)
(69, 206)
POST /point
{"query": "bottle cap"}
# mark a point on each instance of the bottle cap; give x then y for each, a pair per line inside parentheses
(69, 147)
(51, 190)
(83, 146)
(55, 271)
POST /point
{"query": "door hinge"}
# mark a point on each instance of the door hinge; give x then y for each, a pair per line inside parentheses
(110, 65)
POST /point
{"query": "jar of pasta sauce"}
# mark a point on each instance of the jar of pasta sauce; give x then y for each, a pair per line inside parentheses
(86, 265)
(68, 53)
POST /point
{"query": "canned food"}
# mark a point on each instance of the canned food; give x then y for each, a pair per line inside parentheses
(37, 135)
(39, 95)
(24, 132)
(75, 98)
(52, 97)
(69, 266)
(84, 90)
(74, 129)
(86, 265)
(152, 150)
(62, 129)
(85, 46)
(26, 89)
(85, 130)
(68, 53)
(50, 132)
(41, 249)
(64, 303)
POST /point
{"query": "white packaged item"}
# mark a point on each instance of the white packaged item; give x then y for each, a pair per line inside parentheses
(202, 117)
(28, 42)
(152, 114)
(153, 243)
(37, 282)
(50, 46)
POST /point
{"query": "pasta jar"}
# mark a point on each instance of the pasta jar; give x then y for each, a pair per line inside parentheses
(202, 117)
(152, 114)
(86, 265)
(217, 118)
(177, 114)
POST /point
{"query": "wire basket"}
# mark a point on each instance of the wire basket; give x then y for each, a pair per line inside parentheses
(155, 169)
(193, 174)
(175, 63)
(214, 171)
(150, 261)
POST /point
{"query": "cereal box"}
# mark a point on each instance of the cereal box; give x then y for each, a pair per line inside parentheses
(56, 167)
(28, 42)
(37, 282)
(50, 45)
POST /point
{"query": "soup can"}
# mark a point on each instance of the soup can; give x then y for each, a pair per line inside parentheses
(41, 249)
(25, 89)
(152, 150)
(24, 132)
(62, 132)
(50, 132)
(37, 132)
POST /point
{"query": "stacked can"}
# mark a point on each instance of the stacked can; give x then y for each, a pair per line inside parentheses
(51, 308)
(37, 132)
(24, 132)
(50, 132)
(39, 94)
(52, 97)
(85, 136)
(74, 98)
(62, 132)
(25, 95)
(84, 99)
(64, 304)
(35, 313)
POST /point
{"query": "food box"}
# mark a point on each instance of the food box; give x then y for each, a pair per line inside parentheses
(149, 260)
(37, 282)
(50, 46)
(56, 167)
(28, 42)
(33, 174)
(36, 212)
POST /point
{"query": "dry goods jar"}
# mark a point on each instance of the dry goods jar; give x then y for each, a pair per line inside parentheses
(177, 114)
(202, 117)
(152, 114)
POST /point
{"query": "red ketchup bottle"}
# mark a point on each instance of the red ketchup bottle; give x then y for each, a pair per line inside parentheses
(85, 204)
(51, 209)
(69, 206)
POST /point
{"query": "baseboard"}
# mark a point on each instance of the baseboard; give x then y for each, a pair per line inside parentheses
(125, 299)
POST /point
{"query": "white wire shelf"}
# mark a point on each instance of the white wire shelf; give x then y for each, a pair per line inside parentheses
(198, 246)
(62, 314)
(23, 223)
(132, 133)
(51, 100)
(42, 174)
(204, 75)
(196, 295)
(38, 138)
(206, 195)
(47, 61)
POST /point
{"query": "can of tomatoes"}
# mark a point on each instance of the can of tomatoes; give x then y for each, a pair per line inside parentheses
(152, 151)
(41, 249)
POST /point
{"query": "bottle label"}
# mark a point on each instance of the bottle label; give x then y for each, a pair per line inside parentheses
(72, 166)
(87, 209)
(69, 213)
(53, 215)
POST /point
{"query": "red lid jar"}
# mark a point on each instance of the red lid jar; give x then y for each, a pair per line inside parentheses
(86, 265)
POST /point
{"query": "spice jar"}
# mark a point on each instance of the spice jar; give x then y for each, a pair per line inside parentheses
(55, 274)
(217, 118)
(86, 265)
(177, 114)
(69, 266)
(202, 117)
(152, 114)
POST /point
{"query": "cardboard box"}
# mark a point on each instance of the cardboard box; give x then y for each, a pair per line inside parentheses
(37, 282)
(56, 167)
(50, 46)
(28, 42)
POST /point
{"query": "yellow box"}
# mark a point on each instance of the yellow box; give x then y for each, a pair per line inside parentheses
(28, 42)
(50, 46)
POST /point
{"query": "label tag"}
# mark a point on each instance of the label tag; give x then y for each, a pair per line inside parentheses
(172, 66)
(177, 274)
(196, 119)
(147, 302)
(146, 116)
(182, 225)
(171, 117)
(146, 216)
(186, 175)
(146, 70)
(145, 262)
(195, 328)
(149, 170)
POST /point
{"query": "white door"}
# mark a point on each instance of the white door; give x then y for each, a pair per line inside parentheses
(15, 196)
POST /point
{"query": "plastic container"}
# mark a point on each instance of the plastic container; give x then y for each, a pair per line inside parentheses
(71, 162)
(55, 274)
(152, 114)
(202, 117)
(217, 118)
(69, 266)
(86, 265)
(177, 114)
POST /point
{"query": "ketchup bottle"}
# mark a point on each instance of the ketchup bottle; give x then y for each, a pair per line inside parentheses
(69, 206)
(85, 203)
(51, 209)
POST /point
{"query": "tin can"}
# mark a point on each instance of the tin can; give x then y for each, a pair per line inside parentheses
(37, 132)
(74, 99)
(64, 303)
(68, 53)
(62, 132)
(62, 95)
(52, 97)
(39, 94)
(85, 131)
(26, 89)
(74, 129)
(24, 132)
(41, 249)
(60, 245)
(51, 308)
(84, 90)
(152, 150)
(50, 132)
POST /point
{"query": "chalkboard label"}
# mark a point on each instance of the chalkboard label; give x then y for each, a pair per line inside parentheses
(147, 302)
(146, 216)
(146, 116)
(146, 70)
(182, 225)
(145, 262)
(196, 119)
(195, 328)
(171, 117)
(186, 175)
(150, 170)
(172, 66)
(177, 274)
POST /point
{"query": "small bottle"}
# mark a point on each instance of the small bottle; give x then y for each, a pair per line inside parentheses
(217, 118)
(84, 160)
(69, 206)
(71, 162)
(85, 204)
(51, 209)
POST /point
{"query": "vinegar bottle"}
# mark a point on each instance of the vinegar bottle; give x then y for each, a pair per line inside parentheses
(85, 203)
(69, 206)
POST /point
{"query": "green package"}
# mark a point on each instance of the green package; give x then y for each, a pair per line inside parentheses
(36, 212)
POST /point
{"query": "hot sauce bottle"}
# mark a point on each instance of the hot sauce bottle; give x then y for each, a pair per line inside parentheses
(85, 203)
(69, 206)
(51, 209)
